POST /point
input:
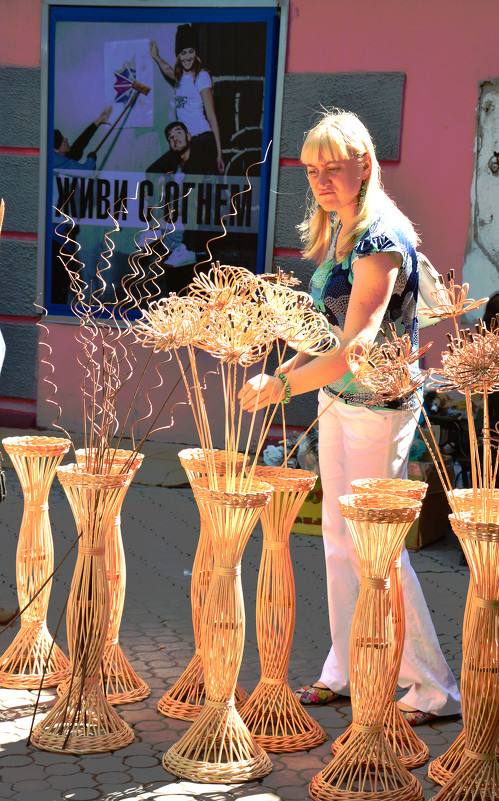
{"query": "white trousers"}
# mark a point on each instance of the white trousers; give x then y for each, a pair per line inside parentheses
(358, 442)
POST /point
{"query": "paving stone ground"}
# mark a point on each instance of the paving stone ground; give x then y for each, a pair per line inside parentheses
(160, 530)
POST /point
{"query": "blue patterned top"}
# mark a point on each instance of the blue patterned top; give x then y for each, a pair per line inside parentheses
(331, 285)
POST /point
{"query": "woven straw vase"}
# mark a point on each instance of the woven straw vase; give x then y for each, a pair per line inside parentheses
(120, 682)
(218, 746)
(33, 657)
(82, 721)
(184, 700)
(409, 748)
(272, 713)
(366, 766)
(476, 774)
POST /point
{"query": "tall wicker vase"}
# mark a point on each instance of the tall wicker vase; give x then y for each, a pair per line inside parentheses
(185, 698)
(366, 766)
(120, 682)
(272, 713)
(82, 721)
(477, 776)
(33, 656)
(218, 746)
(484, 505)
(409, 748)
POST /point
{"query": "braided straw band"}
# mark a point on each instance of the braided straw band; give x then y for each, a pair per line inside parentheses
(479, 757)
(257, 495)
(73, 475)
(366, 729)
(486, 603)
(275, 545)
(220, 570)
(379, 508)
(88, 551)
(220, 704)
(286, 479)
(392, 486)
(375, 583)
(36, 446)
(114, 460)
(197, 460)
(276, 682)
(467, 528)
(34, 507)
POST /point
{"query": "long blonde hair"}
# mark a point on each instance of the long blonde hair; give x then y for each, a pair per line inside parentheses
(341, 135)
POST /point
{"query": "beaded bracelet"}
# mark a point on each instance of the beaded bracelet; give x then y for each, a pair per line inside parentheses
(285, 381)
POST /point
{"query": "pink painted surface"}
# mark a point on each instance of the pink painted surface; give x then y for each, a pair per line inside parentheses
(446, 48)
(20, 30)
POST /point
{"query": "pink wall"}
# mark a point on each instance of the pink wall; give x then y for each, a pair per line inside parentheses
(20, 27)
(446, 48)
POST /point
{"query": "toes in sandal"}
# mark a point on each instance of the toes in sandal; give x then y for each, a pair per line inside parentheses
(415, 717)
(316, 695)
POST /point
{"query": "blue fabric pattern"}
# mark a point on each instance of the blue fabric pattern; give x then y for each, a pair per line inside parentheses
(331, 285)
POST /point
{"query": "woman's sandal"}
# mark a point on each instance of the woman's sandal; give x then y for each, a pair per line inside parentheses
(316, 695)
(415, 717)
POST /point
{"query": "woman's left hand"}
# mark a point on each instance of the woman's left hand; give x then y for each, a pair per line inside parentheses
(220, 164)
(261, 391)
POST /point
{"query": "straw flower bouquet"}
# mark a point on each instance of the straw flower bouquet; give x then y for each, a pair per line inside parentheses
(469, 769)
(238, 318)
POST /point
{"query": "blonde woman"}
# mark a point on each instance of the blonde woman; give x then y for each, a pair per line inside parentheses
(366, 278)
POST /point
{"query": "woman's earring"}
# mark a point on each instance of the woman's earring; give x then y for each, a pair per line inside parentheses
(362, 193)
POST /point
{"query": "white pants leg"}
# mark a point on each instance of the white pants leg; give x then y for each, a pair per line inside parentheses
(358, 442)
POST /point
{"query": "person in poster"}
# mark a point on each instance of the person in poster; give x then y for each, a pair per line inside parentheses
(193, 98)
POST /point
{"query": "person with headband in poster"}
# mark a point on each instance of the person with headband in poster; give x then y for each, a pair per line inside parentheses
(367, 278)
(193, 98)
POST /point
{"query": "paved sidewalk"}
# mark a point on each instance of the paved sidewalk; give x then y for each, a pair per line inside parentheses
(160, 529)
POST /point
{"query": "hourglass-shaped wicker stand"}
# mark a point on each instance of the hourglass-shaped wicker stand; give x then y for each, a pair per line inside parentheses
(485, 505)
(366, 766)
(477, 776)
(33, 653)
(272, 713)
(409, 748)
(82, 721)
(218, 746)
(121, 683)
(184, 700)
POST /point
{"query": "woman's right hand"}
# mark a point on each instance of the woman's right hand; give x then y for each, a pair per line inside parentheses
(153, 49)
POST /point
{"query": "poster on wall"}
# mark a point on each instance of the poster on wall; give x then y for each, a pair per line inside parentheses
(159, 122)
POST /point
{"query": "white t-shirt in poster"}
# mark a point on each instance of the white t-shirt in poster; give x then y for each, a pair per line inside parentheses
(189, 107)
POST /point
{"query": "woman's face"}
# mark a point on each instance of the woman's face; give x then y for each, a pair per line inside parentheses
(187, 56)
(336, 184)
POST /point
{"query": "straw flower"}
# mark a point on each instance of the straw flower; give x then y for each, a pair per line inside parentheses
(384, 369)
(241, 331)
(451, 301)
(168, 323)
(222, 285)
(471, 363)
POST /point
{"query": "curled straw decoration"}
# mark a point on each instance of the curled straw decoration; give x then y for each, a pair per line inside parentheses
(470, 365)
(239, 318)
